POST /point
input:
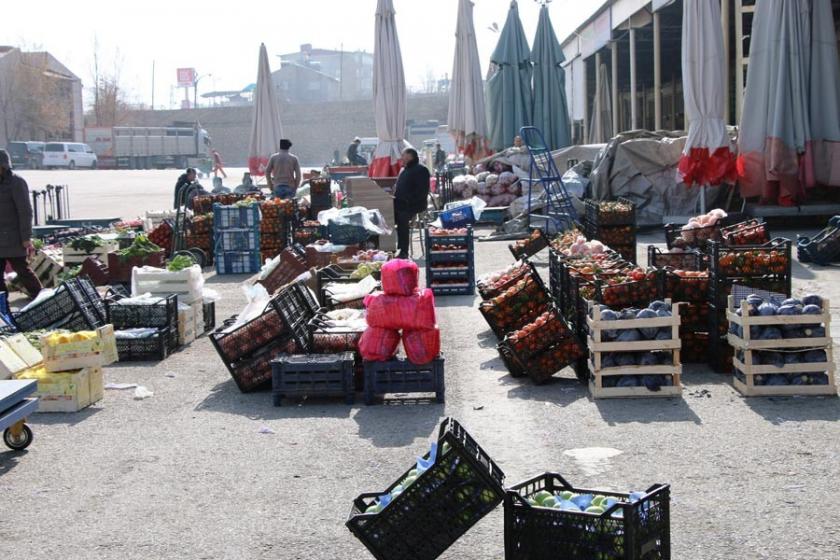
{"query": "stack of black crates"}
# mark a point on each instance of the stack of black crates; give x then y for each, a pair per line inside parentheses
(450, 262)
(160, 315)
(612, 226)
(320, 196)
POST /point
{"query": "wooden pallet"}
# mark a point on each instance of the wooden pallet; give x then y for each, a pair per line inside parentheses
(597, 348)
(750, 370)
(72, 256)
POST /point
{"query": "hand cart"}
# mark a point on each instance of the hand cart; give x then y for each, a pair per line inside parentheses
(16, 405)
(179, 230)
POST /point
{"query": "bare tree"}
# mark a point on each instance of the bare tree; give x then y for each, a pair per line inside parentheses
(109, 96)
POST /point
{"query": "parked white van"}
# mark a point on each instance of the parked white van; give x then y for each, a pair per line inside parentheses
(68, 154)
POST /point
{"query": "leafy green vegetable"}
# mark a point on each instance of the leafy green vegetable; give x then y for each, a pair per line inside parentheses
(141, 247)
(88, 244)
(180, 262)
(38, 244)
(69, 273)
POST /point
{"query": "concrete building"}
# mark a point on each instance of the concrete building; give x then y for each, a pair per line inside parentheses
(324, 74)
(639, 42)
(21, 75)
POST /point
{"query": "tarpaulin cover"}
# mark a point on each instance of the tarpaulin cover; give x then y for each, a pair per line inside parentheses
(421, 346)
(401, 312)
(379, 345)
(400, 277)
(266, 128)
(551, 113)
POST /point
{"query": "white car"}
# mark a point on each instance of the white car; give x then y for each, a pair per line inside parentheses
(68, 154)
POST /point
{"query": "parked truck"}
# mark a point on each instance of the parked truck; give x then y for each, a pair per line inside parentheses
(149, 147)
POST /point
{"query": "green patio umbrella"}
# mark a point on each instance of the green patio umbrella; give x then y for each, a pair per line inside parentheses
(509, 103)
(551, 114)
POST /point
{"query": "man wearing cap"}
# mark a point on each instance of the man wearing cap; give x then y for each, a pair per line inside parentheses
(15, 227)
(353, 155)
(283, 171)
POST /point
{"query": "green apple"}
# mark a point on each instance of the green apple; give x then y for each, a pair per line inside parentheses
(549, 502)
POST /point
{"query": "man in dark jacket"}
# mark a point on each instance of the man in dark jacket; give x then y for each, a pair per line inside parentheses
(15, 227)
(410, 197)
(187, 188)
(353, 155)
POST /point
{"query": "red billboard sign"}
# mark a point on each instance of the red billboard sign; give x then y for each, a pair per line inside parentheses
(186, 77)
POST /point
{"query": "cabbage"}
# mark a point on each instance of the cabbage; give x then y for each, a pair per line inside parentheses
(609, 315)
(812, 299)
(792, 358)
(653, 382)
(814, 357)
(608, 360)
(665, 358)
(754, 300)
(760, 379)
(769, 333)
(789, 309)
(795, 332)
(777, 379)
(819, 379)
(629, 335)
(649, 359)
(664, 333)
(659, 305)
(663, 312)
(757, 357)
(767, 309)
(773, 359)
(629, 313)
(647, 332)
(628, 381)
(814, 332)
(811, 310)
(625, 359)
(792, 301)
(800, 379)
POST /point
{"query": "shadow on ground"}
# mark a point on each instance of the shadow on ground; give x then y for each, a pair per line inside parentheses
(397, 423)
(782, 410)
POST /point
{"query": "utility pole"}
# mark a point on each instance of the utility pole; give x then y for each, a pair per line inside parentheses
(153, 85)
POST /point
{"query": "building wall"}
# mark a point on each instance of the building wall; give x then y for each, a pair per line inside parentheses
(315, 129)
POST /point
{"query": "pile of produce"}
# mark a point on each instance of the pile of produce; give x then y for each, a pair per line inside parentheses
(178, 263)
(734, 262)
(201, 224)
(497, 188)
(516, 307)
(443, 247)
(443, 232)
(162, 236)
(656, 309)
(699, 229)
(609, 213)
(588, 503)
(366, 269)
(751, 232)
(757, 306)
(87, 244)
(140, 248)
(563, 242)
(531, 245)
(308, 232)
(533, 338)
(687, 285)
(623, 288)
(491, 285)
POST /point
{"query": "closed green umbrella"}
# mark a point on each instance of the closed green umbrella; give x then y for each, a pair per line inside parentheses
(551, 114)
(509, 103)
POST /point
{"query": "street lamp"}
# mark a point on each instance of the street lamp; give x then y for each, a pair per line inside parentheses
(195, 88)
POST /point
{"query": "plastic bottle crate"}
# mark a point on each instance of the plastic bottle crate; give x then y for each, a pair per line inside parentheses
(628, 531)
(462, 486)
(530, 246)
(822, 249)
(688, 260)
(466, 288)
(146, 349)
(163, 313)
(401, 376)
(313, 375)
(236, 217)
(237, 240)
(603, 217)
(246, 262)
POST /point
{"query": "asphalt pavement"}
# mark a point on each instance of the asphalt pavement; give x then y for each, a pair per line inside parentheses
(192, 472)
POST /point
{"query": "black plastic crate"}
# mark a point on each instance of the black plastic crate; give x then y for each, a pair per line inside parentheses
(502, 321)
(751, 260)
(209, 313)
(822, 249)
(163, 313)
(89, 294)
(247, 339)
(688, 260)
(720, 355)
(466, 289)
(721, 287)
(296, 308)
(462, 486)
(146, 349)
(487, 291)
(598, 217)
(465, 256)
(401, 376)
(695, 238)
(637, 530)
(313, 375)
(67, 303)
(460, 240)
(253, 372)
(534, 243)
(755, 229)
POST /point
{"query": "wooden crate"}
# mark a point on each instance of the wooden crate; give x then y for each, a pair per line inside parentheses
(597, 347)
(186, 284)
(75, 256)
(749, 370)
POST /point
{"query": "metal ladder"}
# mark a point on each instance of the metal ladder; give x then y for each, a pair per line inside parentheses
(558, 204)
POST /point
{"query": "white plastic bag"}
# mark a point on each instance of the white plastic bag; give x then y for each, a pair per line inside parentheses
(258, 299)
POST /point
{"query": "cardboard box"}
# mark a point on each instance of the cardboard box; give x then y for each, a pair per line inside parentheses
(186, 324)
(10, 362)
(21, 346)
(99, 349)
(68, 391)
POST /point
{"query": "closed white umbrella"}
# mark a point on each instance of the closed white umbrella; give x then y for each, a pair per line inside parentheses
(467, 117)
(388, 94)
(266, 128)
(707, 158)
(600, 128)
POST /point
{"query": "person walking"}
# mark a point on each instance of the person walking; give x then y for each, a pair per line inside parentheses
(15, 227)
(440, 159)
(410, 197)
(283, 172)
(218, 164)
(353, 155)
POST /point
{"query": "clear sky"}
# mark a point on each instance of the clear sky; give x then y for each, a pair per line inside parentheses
(223, 38)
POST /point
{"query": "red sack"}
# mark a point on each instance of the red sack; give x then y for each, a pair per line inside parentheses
(400, 277)
(401, 312)
(422, 346)
(379, 345)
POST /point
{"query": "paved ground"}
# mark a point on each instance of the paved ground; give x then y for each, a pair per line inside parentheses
(186, 473)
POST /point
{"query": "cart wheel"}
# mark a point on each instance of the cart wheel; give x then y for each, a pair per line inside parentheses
(18, 443)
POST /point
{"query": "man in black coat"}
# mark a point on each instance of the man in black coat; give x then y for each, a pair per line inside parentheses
(15, 227)
(410, 197)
